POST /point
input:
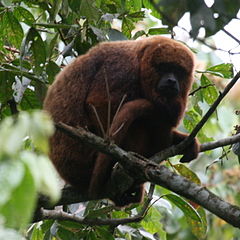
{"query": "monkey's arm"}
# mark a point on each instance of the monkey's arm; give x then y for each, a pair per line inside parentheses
(129, 112)
(191, 152)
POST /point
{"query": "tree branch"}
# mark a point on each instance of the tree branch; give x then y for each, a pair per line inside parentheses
(230, 35)
(220, 143)
(60, 215)
(146, 170)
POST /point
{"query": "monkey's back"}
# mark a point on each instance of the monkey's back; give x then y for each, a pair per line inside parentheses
(80, 87)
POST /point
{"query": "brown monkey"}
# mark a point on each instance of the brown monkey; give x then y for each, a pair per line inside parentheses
(155, 75)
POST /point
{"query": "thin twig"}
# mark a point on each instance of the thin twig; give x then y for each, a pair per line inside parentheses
(60, 215)
(213, 107)
(115, 115)
(201, 87)
(99, 121)
(220, 143)
(63, 216)
(109, 104)
(231, 36)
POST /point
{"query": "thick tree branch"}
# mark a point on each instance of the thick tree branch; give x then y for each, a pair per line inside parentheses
(146, 170)
(71, 195)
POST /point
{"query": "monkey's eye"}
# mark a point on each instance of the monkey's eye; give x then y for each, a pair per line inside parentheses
(177, 70)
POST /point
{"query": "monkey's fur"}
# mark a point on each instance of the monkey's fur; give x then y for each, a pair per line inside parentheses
(146, 121)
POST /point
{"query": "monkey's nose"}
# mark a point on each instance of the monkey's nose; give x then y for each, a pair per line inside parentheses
(171, 81)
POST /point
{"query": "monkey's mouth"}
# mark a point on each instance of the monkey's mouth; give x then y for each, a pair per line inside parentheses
(168, 91)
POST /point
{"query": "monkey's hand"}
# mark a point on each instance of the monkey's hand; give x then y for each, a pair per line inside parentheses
(192, 150)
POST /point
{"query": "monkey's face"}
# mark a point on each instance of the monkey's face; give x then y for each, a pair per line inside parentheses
(166, 82)
(166, 86)
(170, 83)
(166, 72)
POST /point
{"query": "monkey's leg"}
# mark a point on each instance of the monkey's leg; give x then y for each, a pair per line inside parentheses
(129, 112)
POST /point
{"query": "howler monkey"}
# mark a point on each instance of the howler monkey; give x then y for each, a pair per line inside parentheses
(142, 85)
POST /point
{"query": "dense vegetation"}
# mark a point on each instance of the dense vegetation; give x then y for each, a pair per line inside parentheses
(37, 39)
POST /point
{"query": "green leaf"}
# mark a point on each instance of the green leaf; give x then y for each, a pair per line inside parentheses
(40, 90)
(89, 10)
(190, 120)
(133, 5)
(51, 43)
(147, 4)
(158, 31)
(97, 212)
(6, 81)
(74, 5)
(139, 34)
(209, 92)
(136, 16)
(34, 45)
(187, 173)
(49, 184)
(23, 15)
(92, 235)
(11, 174)
(18, 210)
(152, 223)
(20, 65)
(52, 70)
(44, 174)
(30, 101)
(103, 233)
(65, 8)
(71, 224)
(55, 9)
(37, 233)
(10, 29)
(63, 233)
(187, 208)
(41, 128)
(199, 229)
(224, 70)
(127, 26)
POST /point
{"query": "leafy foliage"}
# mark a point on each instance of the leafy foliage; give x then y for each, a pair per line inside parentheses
(37, 38)
(23, 170)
